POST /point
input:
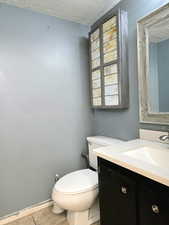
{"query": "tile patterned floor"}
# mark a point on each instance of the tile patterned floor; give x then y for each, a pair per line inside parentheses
(43, 217)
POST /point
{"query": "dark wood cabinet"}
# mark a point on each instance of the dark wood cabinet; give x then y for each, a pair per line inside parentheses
(127, 198)
(153, 206)
(117, 198)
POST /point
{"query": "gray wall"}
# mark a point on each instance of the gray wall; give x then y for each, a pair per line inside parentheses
(44, 104)
(124, 124)
(44, 112)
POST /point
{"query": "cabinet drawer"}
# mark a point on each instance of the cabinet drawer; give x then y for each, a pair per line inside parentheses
(117, 198)
(153, 206)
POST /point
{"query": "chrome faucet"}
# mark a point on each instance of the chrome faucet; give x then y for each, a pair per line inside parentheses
(164, 137)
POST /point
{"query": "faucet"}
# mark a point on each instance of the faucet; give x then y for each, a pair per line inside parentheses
(164, 137)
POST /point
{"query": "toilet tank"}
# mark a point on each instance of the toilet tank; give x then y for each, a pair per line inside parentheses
(98, 142)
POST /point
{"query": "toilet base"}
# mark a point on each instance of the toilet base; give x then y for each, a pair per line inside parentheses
(56, 209)
(86, 217)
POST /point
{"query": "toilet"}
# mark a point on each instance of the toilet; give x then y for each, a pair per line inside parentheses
(77, 192)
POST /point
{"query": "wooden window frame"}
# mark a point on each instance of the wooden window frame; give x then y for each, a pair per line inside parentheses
(123, 84)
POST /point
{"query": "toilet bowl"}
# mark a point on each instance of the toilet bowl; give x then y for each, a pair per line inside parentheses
(77, 192)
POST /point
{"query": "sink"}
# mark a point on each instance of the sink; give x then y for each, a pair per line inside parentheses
(155, 156)
(147, 158)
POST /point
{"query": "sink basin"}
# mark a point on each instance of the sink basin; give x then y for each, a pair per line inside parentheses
(146, 158)
(155, 156)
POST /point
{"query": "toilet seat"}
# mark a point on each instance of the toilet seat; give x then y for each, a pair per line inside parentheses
(77, 182)
(76, 191)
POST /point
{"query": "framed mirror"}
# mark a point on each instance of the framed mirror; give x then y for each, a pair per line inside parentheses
(153, 66)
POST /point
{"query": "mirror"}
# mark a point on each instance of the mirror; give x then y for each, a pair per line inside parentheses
(153, 66)
(158, 79)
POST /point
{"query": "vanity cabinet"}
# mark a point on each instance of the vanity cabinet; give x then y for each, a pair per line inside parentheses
(153, 206)
(117, 198)
(127, 198)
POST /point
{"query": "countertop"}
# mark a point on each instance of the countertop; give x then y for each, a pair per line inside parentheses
(133, 155)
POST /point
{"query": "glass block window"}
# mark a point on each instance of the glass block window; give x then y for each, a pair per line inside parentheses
(111, 100)
(110, 24)
(105, 62)
(96, 88)
(110, 40)
(111, 85)
(95, 48)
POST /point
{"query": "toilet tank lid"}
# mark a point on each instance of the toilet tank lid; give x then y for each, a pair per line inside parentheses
(77, 182)
(102, 140)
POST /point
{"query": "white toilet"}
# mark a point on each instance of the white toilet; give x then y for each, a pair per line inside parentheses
(77, 192)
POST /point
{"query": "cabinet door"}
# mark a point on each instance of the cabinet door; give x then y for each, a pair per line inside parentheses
(153, 206)
(117, 198)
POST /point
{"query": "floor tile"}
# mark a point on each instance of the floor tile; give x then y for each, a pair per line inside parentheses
(96, 223)
(43, 217)
(47, 217)
(64, 223)
(27, 220)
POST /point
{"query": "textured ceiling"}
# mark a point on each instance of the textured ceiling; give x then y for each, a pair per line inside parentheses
(80, 11)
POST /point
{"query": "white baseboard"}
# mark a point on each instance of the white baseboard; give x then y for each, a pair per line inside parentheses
(25, 212)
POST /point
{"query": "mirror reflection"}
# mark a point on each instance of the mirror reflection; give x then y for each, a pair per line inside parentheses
(158, 79)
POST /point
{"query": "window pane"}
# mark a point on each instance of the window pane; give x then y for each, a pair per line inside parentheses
(110, 69)
(97, 92)
(94, 35)
(110, 56)
(110, 35)
(96, 74)
(96, 83)
(95, 63)
(111, 100)
(110, 79)
(110, 40)
(95, 49)
(95, 44)
(110, 23)
(110, 46)
(96, 101)
(96, 53)
(111, 89)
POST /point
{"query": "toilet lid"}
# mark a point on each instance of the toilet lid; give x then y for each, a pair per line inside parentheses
(77, 182)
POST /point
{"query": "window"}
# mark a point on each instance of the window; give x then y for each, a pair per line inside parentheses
(108, 62)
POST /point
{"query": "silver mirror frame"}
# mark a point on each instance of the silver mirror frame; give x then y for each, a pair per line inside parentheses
(143, 65)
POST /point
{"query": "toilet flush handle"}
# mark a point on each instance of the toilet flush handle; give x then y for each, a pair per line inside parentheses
(85, 155)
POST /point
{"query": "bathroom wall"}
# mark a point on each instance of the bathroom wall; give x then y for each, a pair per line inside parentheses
(44, 104)
(125, 123)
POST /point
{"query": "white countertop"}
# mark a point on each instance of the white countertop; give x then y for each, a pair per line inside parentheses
(150, 159)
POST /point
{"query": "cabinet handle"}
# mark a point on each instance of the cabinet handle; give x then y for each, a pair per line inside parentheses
(155, 209)
(124, 190)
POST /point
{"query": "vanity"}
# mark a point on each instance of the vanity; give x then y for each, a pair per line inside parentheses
(128, 198)
(134, 184)
(134, 176)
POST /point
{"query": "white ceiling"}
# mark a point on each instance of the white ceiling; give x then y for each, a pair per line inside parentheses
(80, 11)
